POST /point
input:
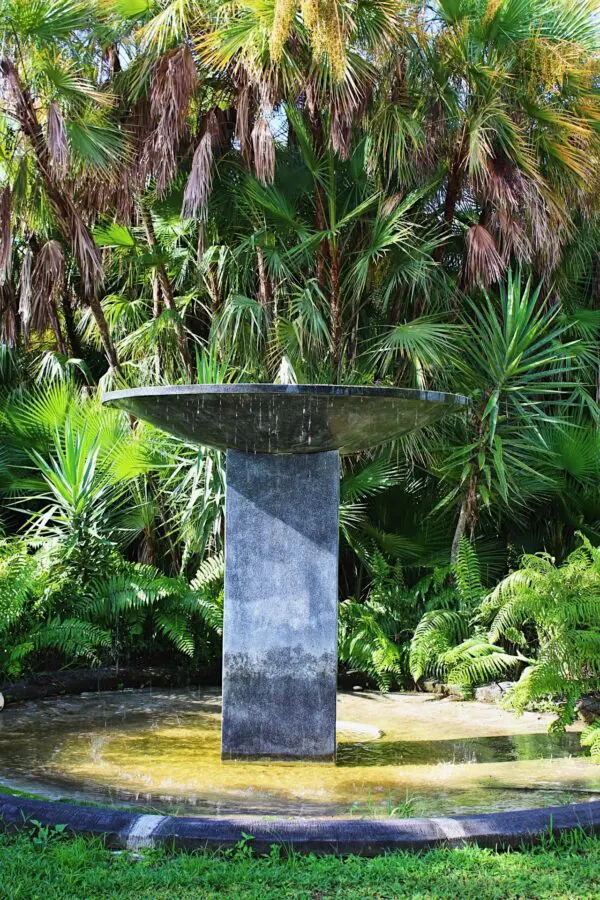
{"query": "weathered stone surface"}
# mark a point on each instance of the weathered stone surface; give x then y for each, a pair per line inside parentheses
(286, 418)
(365, 837)
(492, 693)
(280, 625)
(443, 689)
(589, 708)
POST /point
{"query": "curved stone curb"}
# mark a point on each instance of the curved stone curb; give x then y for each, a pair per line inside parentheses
(365, 837)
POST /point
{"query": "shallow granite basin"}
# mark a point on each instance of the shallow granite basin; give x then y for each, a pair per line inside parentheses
(415, 753)
(282, 418)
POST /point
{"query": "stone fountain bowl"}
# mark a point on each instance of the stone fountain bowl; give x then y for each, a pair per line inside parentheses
(283, 418)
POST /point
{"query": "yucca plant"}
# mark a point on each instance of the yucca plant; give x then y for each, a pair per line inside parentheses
(520, 366)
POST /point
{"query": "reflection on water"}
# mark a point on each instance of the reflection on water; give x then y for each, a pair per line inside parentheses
(162, 749)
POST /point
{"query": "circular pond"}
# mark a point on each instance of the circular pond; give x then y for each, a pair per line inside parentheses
(401, 754)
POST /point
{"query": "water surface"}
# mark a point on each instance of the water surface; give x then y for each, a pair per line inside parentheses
(414, 754)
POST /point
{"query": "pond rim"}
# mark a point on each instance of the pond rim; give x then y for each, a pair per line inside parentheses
(123, 829)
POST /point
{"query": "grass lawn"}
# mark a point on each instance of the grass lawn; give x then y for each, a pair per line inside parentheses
(48, 867)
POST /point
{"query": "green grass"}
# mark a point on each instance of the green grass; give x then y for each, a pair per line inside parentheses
(47, 866)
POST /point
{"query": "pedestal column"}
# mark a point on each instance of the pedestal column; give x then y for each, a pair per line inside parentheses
(280, 624)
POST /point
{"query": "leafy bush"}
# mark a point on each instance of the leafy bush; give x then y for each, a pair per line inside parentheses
(121, 611)
(446, 646)
(555, 612)
(374, 635)
(542, 619)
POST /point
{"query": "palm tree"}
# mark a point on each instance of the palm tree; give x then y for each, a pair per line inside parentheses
(56, 133)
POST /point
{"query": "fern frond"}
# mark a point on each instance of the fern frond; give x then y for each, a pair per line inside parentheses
(436, 633)
(177, 629)
(476, 661)
(210, 572)
(590, 737)
(468, 575)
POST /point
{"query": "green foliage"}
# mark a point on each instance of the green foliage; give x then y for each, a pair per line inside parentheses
(82, 868)
(374, 634)
(590, 737)
(556, 610)
(406, 200)
(541, 621)
(442, 646)
(113, 611)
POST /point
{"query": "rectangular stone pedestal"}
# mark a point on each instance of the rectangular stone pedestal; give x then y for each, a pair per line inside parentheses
(280, 624)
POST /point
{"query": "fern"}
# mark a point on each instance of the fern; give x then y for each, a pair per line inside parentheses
(468, 576)
(590, 737)
(438, 631)
(476, 661)
(207, 589)
(560, 605)
(442, 645)
(373, 636)
(18, 579)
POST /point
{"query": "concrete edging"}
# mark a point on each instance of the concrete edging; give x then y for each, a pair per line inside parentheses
(365, 837)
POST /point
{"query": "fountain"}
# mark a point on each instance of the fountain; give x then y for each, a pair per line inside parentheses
(283, 447)
(412, 770)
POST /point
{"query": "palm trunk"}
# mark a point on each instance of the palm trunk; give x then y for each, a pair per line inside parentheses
(467, 517)
(316, 131)
(56, 326)
(265, 293)
(102, 326)
(72, 226)
(453, 189)
(71, 331)
(336, 315)
(156, 310)
(323, 245)
(459, 533)
(166, 288)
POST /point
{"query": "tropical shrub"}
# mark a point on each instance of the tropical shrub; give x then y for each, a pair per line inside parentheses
(552, 612)
(120, 612)
(541, 621)
(444, 645)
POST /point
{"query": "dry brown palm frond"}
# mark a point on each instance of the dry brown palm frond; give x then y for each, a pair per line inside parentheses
(48, 277)
(125, 191)
(9, 326)
(57, 139)
(483, 263)
(26, 292)
(510, 235)
(5, 233)
(86, 254)
(340, 132)
(548, 226)
(242, 124)
(264, 150)
(48, 283)
(501, 182)
(175, 80)
(199, 183)
(96, 192)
